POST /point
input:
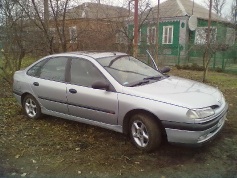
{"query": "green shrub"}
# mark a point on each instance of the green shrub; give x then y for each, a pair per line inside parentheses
(194, 67)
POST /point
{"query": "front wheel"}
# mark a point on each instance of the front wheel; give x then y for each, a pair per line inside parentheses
(145, 132)
(31, 107)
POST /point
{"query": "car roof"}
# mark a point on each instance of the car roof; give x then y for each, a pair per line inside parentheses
(95, 54)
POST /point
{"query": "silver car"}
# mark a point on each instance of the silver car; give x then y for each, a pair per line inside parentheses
(118, 92)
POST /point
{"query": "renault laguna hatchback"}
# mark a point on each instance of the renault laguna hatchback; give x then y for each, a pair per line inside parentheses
(118, 92)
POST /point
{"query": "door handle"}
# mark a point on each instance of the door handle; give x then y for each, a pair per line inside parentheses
(73, 91)
(36, 84)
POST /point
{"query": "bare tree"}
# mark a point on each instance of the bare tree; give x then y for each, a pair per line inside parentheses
(40, 15)
(217, 6)
(25, 30)
(59, 10)
(206, 55)
(14, 38)
(144, 11)
(232, 16)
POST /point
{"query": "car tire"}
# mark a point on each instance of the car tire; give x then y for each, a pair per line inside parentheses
(145, 132)
(31, 107)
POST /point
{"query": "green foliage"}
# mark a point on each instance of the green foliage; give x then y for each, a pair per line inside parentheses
(28, 60)
(8, 66)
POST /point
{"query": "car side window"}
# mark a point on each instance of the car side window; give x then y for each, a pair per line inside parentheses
(34, 71)
(54, 69)
(84, 73)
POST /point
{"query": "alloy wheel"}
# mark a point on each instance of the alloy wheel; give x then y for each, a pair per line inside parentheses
(140, 133)
(30, 107)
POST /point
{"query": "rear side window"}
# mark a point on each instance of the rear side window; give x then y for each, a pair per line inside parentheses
(51, 69)
(34, 71)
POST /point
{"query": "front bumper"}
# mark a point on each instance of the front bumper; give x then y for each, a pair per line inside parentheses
(196, 134)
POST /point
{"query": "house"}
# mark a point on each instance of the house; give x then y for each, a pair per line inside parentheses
(89, 26)
(183, 31)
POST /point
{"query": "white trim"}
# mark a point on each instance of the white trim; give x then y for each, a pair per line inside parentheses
(168, 33)
(133, 35)
(148, 35)
(153, 35)
(140, 37)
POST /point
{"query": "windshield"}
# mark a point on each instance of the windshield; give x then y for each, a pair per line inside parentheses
(127, 70)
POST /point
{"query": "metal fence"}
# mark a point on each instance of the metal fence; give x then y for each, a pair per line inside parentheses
(222, 60)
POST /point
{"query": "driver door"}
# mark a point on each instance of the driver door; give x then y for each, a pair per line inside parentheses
(86, 102)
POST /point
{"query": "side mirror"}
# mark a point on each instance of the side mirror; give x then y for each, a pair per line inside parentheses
(165, 70)
(100, 85)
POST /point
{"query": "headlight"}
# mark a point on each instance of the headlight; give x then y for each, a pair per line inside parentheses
(199, 113)
(222, 98)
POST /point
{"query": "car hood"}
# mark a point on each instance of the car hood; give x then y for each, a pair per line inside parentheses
(178, 91)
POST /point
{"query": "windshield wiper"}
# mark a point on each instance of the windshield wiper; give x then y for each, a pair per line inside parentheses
(153, 78)
(139, 83)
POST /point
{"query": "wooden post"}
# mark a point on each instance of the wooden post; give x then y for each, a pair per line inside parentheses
(46, 13)
(135, 43)
(206, 58)
(157, 33)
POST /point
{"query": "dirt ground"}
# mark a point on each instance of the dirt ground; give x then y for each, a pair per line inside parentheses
(53, 147)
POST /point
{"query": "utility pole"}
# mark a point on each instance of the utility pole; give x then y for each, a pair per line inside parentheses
(135, 43)
(157, 32)
(46, 14)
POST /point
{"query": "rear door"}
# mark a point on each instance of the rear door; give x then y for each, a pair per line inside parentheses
(86, 102)
(48, 83)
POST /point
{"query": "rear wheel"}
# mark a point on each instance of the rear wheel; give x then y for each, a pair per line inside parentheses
(145, 132)
(31, 107)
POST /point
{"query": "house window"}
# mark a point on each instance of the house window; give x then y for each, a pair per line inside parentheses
(73, 34)
(52, 33)
(120, 38)
(61, 35)
(167, 35)
(201, 35)
(60, 30)
(151, 35)
(230, 36)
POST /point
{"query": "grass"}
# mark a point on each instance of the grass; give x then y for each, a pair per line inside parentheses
(26, 61)
(53, 147)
